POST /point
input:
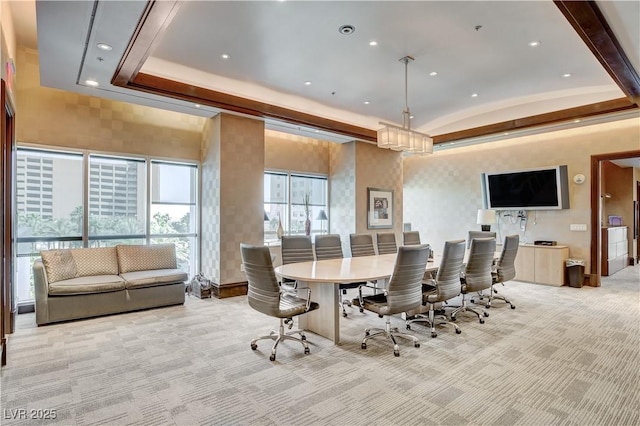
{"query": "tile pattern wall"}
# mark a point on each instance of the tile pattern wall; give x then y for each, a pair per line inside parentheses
(378, 168)
(295, 153)
(210, 207)
(66, 119)
(342, 191)
(241, 191)
(442, 192)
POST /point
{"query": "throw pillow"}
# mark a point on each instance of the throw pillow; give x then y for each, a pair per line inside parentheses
(59, 265)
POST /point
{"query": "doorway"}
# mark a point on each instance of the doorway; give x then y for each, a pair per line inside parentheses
(597, 195)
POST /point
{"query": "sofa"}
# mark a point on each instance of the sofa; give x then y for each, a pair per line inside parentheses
(88, 282)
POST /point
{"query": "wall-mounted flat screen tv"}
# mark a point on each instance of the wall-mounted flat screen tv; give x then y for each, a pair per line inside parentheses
(531, 189)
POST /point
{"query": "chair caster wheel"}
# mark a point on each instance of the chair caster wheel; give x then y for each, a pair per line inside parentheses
(458, 331)
(361, 310)
(416, 345)
(272, 357)
(303, 337)
(453, 318)
(481, 321)
(486, 314)
(488, 306)
(254, 346)
(513, 306)
(344, 314)
(408, 327)
(396, 353)
(473, 301)
(363, 346)
(434, 334)
(366, 333)
(307, 351)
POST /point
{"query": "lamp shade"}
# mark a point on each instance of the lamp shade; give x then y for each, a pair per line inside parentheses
(322, 215)
(486, 217)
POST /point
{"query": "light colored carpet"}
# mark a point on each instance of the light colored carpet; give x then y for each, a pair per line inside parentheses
(565, 356)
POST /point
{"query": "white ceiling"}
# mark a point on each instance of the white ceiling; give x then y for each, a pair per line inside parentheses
(275, 47)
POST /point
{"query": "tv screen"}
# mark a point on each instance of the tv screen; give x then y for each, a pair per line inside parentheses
(533, 189)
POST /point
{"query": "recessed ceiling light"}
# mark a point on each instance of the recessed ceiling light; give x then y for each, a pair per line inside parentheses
(307, 83)
(104, 46)
(534, 43)
(373, 43)
(566, 75)
(196, 105)
(367, 102)
(225, 56)
(433, 73)
(577, 120)
(347, 29)
(474, 95)
(91, 83)
(411, 117)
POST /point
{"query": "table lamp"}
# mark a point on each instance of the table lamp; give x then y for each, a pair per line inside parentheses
(322, 216)
(485, 218)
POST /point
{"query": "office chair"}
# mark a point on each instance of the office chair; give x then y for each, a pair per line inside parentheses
(404, 293)
(329, 247)
(479, 234)
(476, 275)
(505, 268)
(444, 287)
(410, 238)
(361, 245)
(265, 295)
(294, 249)
(386, 242)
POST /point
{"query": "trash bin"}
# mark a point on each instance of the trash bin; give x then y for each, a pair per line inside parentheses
(575, 272)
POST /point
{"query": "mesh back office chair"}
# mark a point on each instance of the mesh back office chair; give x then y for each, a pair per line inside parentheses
(294, 249)
(329, 246)
(410, 238)
(479, 234)
(477, 275)
(265, 295)
(404, 293)
(386, 243)
(505, 267)
(361, 245)
(444, 287)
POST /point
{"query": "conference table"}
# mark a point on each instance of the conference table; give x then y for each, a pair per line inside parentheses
(323, 278)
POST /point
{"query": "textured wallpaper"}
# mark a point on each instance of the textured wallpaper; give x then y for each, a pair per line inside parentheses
(210, 206)
(283, 151)
(442, 191)
(342, 192)
(55, 117)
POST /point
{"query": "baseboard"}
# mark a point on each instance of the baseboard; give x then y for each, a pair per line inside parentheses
(220, 291)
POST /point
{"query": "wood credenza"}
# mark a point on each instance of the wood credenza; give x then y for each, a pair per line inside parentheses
(541, 264)
(615, 252)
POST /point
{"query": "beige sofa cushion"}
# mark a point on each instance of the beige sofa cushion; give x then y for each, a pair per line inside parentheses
(140, 279)
(133, 258)
(95, 261)
(59, 265)
(86, 285)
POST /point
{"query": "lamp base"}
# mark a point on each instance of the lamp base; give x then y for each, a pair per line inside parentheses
(485, 228)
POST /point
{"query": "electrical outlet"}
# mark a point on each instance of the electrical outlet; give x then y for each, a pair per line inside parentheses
(578, 227)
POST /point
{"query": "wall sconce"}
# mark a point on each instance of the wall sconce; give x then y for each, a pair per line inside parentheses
(322, 216)
(485, 218)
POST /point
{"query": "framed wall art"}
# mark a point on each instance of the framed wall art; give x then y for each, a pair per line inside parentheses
(379, 208)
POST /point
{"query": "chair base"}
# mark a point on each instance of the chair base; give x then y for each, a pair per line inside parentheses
(431, 320)
(280, 336)
(466, 308)
(493, 294)
(390, 333)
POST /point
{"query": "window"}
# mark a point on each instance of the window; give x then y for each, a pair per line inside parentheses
(284, 195)
(119, 209)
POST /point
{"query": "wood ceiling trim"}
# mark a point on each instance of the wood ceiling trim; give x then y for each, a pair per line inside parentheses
(555, 117)
(225, 101)
(588, 21)
(158, 15)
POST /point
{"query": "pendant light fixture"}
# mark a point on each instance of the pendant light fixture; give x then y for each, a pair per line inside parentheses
(403, 138)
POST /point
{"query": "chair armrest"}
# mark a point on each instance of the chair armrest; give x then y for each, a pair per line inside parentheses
(308, 297)
(41, 292)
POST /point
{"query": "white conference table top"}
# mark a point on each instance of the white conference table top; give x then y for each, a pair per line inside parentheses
(344, 270)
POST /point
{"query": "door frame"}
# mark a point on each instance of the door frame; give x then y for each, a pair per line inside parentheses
(596, 186)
